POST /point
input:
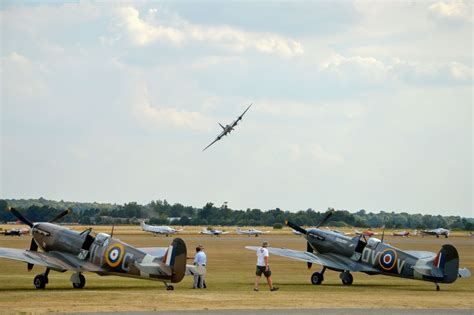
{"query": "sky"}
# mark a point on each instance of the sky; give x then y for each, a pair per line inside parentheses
(357, 104)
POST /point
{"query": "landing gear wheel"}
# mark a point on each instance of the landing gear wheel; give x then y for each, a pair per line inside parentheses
(346, 278)
(40, 281)
(169, 288)
(437, 287)
(317, 278)
(81, 283)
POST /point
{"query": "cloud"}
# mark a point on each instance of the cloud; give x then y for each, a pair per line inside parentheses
(311, 110)
(143, 33)
(152, 28)
(371, 70)
(455, 10)
(25, 78)
(319, 153)
(165, 116)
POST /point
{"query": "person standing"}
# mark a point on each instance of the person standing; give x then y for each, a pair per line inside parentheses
(263, 266)
(200, 260)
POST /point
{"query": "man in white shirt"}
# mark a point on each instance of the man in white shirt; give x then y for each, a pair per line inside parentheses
(263, 267)
(200, 260)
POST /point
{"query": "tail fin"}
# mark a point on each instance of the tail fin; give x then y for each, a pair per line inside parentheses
(221, 126)
(175, 258)
(447, 261)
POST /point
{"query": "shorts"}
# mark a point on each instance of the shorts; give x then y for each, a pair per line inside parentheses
(262, 269)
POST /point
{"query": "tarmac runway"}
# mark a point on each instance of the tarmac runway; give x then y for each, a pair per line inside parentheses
(325, 311)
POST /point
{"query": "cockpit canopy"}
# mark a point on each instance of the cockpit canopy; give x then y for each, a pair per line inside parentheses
(101, 238)
(373, 242)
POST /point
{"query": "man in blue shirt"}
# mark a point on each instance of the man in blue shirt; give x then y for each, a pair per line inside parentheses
(200, 260)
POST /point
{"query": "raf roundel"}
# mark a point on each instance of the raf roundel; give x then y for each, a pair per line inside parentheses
(387, 259)
(114, 255)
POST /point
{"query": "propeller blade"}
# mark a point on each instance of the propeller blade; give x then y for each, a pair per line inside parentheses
(21, 217)
(309, 249)
(296, 227)
(33, 248)
(59, 216)
(328, 215)
(383, 233)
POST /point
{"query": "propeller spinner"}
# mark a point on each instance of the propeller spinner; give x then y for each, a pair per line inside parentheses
(33, 245)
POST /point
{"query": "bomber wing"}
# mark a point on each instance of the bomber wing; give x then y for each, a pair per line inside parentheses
(217, 139)
(53, 260)
(322, 259)
(240, 117)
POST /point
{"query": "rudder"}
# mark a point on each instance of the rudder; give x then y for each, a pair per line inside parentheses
(177, 260)
(447, 261)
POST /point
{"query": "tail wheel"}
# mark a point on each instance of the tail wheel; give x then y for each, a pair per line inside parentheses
(169, 288)
(317, 278)
(81, 283)
(346, 278)
(40, 281)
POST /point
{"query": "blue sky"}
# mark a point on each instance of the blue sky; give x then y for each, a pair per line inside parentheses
(357, 105)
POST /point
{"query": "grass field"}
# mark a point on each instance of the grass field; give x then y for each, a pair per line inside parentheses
(230, 280)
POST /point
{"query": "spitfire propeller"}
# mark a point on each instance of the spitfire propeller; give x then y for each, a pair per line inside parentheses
(311, 233)
(33, 245)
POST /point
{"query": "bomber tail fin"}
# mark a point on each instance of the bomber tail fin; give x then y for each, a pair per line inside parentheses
(175, 258)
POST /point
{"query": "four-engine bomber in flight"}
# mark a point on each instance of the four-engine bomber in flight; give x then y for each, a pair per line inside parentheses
(64, 249)
(228, 128)
(343, 254)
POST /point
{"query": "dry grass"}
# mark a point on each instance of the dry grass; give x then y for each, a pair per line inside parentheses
(230, 280)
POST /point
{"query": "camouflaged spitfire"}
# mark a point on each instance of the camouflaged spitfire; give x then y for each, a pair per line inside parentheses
(64, 249)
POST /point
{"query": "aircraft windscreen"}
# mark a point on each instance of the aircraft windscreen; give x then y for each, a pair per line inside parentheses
(373, 242)
(101, 238)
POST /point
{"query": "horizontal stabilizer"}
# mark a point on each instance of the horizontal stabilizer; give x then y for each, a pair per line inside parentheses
(464, 273)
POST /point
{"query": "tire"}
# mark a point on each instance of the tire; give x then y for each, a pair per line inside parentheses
(40, 281)
(346, 278)
(169, 288)
(317, 278)
(81, 284)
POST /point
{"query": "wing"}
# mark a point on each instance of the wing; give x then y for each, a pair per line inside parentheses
(240, 117)
(53, 260)
(321, 259)
(421, 254)
(224, 232)
(297, 255)
(217, 139)
(154, 251)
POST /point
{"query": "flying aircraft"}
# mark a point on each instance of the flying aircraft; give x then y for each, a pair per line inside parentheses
(16, 232)
(213, 232)
(345, 255)
(437, 232)
(228, 128)
(166, 230)
(64, 249)
(250, 232)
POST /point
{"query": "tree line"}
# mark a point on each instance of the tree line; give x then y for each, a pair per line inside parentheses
(162, 212)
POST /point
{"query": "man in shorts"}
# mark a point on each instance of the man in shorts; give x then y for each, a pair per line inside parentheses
(263, 267)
